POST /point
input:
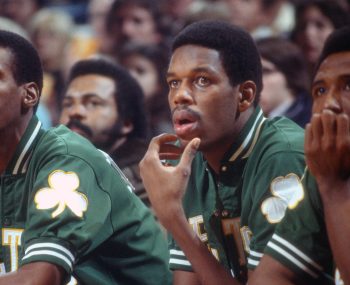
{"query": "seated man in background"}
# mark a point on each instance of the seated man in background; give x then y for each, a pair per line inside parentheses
(66, 209)
(314, 236)
(103, 103)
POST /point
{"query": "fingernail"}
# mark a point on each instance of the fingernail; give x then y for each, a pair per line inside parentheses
(196, 142)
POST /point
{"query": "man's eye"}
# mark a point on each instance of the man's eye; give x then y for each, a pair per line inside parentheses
(347, 86)
(66, 104)
(202, 81)
(319, 91)
(173, 84)
(93, 104)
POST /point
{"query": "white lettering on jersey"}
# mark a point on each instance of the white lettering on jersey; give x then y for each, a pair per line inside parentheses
(287, 192)
(246, 234)
(197, 224)
(12, 238)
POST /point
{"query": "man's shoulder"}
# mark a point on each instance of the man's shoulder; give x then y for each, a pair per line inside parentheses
(280, 135)
(72, 148)
(61, 140)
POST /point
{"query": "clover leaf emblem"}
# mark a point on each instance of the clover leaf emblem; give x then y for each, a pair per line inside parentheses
(287, 192)
(62, 193)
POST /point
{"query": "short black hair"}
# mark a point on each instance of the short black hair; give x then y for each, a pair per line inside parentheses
(26, 64)
(338, 41)
(128, 96)
(238, 52)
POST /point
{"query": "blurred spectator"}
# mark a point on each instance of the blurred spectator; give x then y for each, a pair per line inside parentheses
(105, 104)
(137, 21)
(285, 79)
(174, 11)
(262, 18)
(206, 10)
(98, 10)
(315, 20)
(148, 64)
(20, 11)
(50, 31)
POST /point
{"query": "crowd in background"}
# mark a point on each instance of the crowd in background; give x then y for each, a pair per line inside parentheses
(137, 34)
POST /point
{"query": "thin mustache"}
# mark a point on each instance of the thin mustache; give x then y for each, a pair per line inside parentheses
(77, 124)
(186, 109)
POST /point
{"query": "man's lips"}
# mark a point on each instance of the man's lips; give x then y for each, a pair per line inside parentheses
(80, 128)
(184, 121)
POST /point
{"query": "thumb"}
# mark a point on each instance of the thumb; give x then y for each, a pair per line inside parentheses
(189, 153)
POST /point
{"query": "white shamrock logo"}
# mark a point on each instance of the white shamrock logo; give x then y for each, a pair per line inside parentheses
(61, 193)
(287, 192)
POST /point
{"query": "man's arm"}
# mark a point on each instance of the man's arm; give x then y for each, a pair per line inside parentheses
(327, 149)
(36, 273)
(271, 272)
(166, 186)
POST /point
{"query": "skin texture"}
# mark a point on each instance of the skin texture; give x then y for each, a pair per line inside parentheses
(90, 100)
(16, 109)
(199, 87)
(327, 145)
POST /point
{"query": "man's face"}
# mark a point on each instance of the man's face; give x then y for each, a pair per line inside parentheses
(313, 30)
(331, 86)
(202, 100)
(134, 24)
(276, 90)
(144, 71)
(10, 92)
(89, 108)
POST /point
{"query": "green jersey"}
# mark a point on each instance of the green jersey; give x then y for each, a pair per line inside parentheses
(300, 242)
(65, 202)
(235, 211)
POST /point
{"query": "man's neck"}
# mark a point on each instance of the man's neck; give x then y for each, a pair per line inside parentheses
(117, 144)
(9, 138)
(8, 147)
(215, 154)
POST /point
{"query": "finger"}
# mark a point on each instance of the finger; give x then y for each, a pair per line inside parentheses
(343, 133)
(188, 155)
(158, 141)
(329, 130)
(152, 156)
(317, 132)
(308, 138)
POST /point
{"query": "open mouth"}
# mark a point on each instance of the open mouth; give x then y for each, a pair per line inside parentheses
(184, 122)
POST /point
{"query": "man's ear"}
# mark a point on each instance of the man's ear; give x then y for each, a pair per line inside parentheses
(127, 128)
(247, 94)
(30, 95)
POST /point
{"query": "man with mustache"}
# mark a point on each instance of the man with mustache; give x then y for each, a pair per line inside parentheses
(238, 171)
(105, 104)
(313, 239)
